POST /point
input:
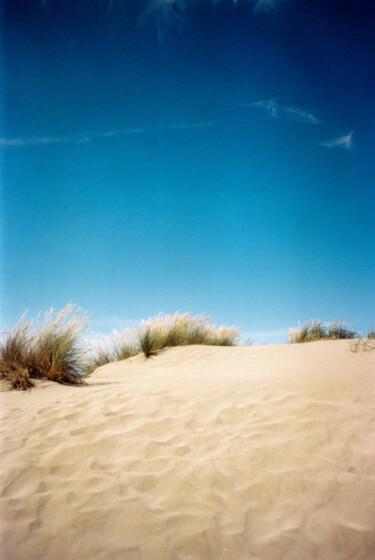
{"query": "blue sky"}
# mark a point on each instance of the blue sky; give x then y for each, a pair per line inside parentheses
(215, 157)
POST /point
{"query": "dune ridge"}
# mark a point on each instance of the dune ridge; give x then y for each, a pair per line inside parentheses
(227, 453)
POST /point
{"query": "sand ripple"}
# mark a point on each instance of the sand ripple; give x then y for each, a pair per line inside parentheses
(197, 454)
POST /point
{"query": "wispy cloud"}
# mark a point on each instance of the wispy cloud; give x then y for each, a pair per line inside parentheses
(275, 110)
(86, 137)
(267, 5)
(169, 12)
(181, 6)
(345, 142)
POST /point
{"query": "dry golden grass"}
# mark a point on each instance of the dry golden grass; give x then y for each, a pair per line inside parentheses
(156, 333)
(49, 349)
(112, 348)
(316, 330)
(362, 345)
(52, 349)
(164, 331)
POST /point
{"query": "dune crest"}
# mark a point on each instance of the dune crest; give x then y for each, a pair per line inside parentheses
(222, 453)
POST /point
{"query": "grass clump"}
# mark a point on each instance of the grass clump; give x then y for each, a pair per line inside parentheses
(316, 330)
(164, 331)
(371, 334)
(49, 350)
(362, 345)
(338, 330)
(156, 333)
(113, 348)
(310, 331)
(53, 349)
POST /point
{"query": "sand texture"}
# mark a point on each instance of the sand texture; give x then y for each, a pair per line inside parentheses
(242, 453)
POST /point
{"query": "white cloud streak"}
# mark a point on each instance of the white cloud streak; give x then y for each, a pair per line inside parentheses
(275, 110)
(345, 142)
(169, 12)
(181, 6)
(86, 137)
(266, 5)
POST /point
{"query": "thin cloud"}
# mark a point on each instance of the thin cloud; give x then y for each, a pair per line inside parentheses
(169, 12)
(86, 137)
(181, 6)
(300, 114)
(275, 110)
(267, 5)
(345, 142)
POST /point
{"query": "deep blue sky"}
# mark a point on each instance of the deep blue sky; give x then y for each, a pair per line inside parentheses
(189, 155)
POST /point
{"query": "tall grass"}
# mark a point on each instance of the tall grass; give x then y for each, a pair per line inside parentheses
(50, 349)
(339, 330)
(118, 346)
(310, 331)
(53, 349)
(164, 331)
(316, 330)
(157, 333)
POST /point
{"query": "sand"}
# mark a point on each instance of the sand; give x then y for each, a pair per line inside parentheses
(244, 453)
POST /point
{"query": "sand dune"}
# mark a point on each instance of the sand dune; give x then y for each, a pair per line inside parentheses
(242, 453)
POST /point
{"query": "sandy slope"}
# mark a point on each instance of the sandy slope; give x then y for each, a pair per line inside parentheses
(223, 453)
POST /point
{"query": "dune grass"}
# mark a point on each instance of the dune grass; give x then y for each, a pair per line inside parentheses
(164, 331)
(53, 349)
(155, 334)
(310, 331)
(316, 330)
(362, 345)
(50, 349)
(339, 330)
(113, 348)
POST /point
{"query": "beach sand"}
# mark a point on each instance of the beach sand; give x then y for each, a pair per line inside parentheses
(235, 453)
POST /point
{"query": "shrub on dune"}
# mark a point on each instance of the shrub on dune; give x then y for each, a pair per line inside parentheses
(49, 350)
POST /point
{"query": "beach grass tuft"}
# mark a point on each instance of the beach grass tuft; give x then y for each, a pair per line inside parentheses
(339, 330)
(50, 349)
(362, 345)
(53, 348)
(120, 345)
(155, 334)
(164, 331)
(316, 330)
(310, 331)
